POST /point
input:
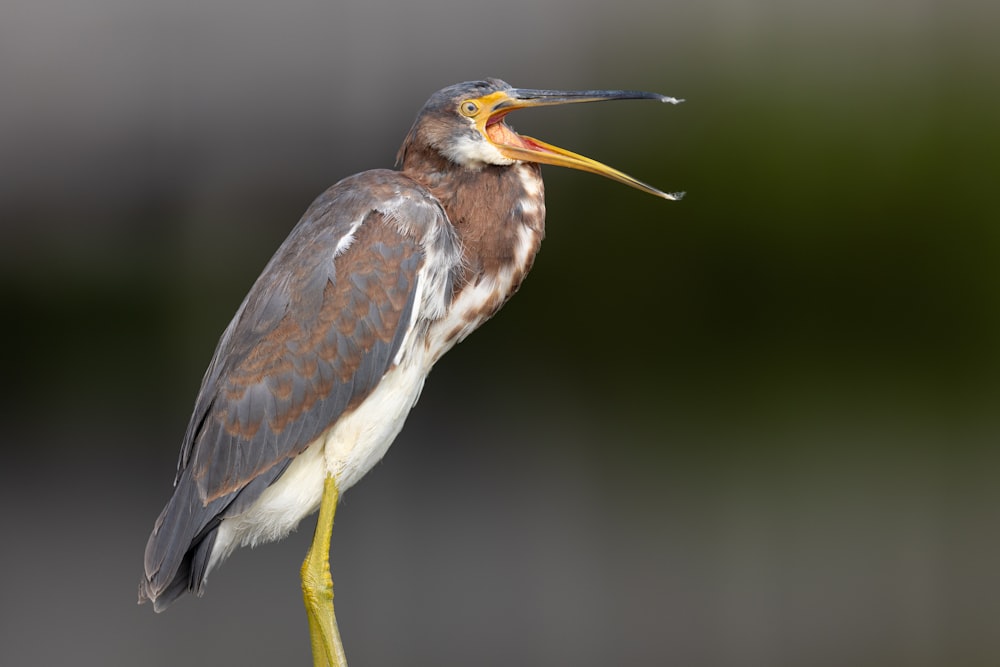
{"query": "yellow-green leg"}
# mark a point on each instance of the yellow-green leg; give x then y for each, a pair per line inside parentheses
(317, 586)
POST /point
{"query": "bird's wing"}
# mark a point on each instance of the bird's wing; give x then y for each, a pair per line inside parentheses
(317, 332)
(312, 339)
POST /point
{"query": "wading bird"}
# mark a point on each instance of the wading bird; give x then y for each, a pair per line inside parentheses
(313, 378)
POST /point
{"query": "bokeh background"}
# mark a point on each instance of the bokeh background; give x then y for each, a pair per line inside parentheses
(756, 427)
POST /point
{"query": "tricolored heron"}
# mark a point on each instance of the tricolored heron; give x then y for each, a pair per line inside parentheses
(313, 378)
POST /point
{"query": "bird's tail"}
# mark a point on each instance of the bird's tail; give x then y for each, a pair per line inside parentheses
(179, 549)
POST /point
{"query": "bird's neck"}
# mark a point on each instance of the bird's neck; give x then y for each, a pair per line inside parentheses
(498, 214)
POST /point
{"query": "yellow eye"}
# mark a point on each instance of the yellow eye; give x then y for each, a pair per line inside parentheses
(469, 108)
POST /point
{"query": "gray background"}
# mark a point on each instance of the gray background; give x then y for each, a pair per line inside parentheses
(756, 427)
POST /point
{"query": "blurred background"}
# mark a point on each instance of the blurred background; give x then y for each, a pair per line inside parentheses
(755, 427)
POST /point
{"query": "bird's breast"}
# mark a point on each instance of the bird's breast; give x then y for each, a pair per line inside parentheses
(499, 243)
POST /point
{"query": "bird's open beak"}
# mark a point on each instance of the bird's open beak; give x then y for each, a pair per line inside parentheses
(519, 147)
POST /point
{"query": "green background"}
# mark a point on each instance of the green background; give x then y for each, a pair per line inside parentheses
(755, 427)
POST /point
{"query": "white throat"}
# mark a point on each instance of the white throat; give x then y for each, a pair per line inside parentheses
(474, 152)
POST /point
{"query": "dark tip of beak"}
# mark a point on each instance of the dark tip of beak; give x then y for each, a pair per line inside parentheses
(529, 97)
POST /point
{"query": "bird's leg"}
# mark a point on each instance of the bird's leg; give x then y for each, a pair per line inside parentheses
(317, 586)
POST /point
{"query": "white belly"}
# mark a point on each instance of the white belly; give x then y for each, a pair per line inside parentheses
(348, 450)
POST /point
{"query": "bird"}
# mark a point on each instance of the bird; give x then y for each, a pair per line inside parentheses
(314, 376)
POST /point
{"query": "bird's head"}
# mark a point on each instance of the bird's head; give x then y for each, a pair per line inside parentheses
(465, 124)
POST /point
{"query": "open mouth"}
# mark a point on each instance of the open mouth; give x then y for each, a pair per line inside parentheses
(528, 149)
(502, 136)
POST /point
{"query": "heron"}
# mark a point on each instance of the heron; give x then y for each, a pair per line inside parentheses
(314, 376)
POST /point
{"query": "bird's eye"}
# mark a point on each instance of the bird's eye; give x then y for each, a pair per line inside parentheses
(469, 108)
